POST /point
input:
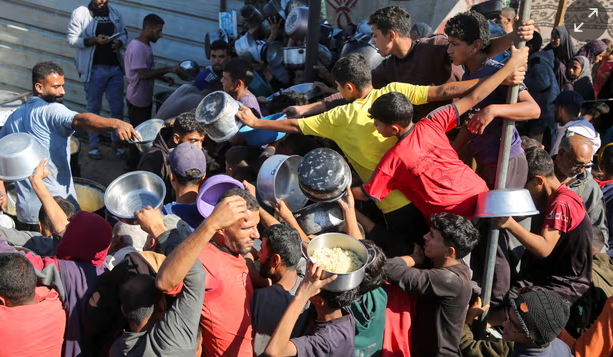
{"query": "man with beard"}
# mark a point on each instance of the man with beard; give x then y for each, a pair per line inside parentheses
(279, 258)
(98, 33)
(51, 124)
(210, 78)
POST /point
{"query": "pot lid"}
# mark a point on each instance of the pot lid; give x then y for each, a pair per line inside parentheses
(323, 170)
(213, 106)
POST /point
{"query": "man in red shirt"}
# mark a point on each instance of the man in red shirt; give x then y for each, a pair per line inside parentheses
(423, 165)
(32, 320)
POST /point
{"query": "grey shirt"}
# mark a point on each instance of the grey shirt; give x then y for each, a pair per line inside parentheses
(176, 333)
(34, 241)
(587, 188)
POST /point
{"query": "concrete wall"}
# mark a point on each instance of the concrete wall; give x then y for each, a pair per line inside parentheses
(35, 30)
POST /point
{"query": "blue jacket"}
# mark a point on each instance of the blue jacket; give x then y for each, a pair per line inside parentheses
(543, 87)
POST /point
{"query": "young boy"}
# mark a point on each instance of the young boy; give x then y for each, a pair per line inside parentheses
(444, 291)
(333, 334)
(469, 39)
(423, 165)
(237, 75)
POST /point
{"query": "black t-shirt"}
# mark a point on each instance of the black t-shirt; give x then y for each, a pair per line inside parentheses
(104, 54)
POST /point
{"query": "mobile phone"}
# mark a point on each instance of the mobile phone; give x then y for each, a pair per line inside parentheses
(114, 36)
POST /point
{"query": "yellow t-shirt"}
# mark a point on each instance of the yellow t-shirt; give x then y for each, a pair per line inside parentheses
(354, 132)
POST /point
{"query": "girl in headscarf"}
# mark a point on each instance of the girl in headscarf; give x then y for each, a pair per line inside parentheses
(579, 75)
(563, 51)
(421, 30)
(593, 50)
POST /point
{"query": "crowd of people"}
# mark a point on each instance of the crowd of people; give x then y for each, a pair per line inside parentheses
(421, 131)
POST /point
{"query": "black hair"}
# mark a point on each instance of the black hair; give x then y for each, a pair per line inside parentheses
(374, 274)
(537, 41)
(152, 20)
(468, 27)
(41, 70)
(353, 68)
(252, 203)
(339, 300)
(17, 278)
(458, 232)
(539, 163)
(285, 241)
(392, 108)
(191, 177)
(286, 99)
(243, 161)
(139, 297)
(569, 108)
(239, 69)
(297, 144)
(392, 18)
(598, 240)
(66, 206)
(606, 163)
(528, 142)
(186, 123)
(221, 45)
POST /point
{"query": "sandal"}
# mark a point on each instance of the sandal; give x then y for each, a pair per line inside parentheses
(95, 154)
(120, 154)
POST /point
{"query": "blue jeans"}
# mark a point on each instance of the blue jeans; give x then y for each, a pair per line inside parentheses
(104, 80)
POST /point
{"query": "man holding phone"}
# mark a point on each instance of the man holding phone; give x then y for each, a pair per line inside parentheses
(97, 31)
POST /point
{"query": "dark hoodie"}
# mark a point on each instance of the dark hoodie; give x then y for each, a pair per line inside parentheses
(155, 160)
(607, 195)
(74, 270)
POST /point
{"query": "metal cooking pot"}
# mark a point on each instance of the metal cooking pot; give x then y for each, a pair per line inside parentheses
(148, 131)
(280, 73)
(324, 56)
(90, 195)
(217, 112)
(75, 149)
(278, 179)
(361, 44)
(211, 37)
(320, 217)
(20, 154)
(245, 46)
(294, 57)
(272, 9)
(297, 23)
(190, 70)
(345, 281)
(272, 53)
(132, 192)
(252, 16)
(324, 175)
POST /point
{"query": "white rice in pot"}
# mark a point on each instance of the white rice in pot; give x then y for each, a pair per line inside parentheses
(337, 260)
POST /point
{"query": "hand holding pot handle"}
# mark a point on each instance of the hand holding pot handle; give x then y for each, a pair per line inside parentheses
(313, 282)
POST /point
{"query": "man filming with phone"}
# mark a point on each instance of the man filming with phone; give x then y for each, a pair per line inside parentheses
(97, 32)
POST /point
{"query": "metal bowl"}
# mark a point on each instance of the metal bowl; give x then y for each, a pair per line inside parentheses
(132, 192)
(297, 23)
(346, 281)
(148, 131)
(217, 112)
(324, 175)
(278, 179)
(20, 154)
(320, 217)
(90, 195)
(190, 70)
(505, 203)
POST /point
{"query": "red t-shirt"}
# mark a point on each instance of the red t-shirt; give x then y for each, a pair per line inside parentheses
(427, 170)
(226, 312)
(33, 330)
(565, 212)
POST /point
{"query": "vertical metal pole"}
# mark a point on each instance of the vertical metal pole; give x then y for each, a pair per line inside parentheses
(312, 47)
(501, 180)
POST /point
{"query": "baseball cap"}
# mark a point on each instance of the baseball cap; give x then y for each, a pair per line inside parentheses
(570, 99)
(185, 157)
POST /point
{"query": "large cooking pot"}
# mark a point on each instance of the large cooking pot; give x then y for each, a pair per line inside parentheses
(272, 53)
(320, 217)
(132, 192)
(252, 16)
(148, 131)
(361, 44)
(345, 281)
(273, 9)
(297, 23)
(190, 70)
(245, 46)
(280, 73)
(90, 195)
(294, 57)
(217, 112)
(278, 179)
(324, 175)
(324, 56)
(211, 37)
(75, 149)
(20, 154)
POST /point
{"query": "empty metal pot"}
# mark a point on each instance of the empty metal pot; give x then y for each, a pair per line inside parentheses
(324, 175)
(20, 154)
(252, 16)
(273, 9)
(346, 281)
(505, 203)
(190, 70)
(132, 192)
(272, 53)
(245, 46)
(320, 217)
(148, 131)
(294, 57)
(278, 179)
(217, 112)
(297, 23)
(361, 44)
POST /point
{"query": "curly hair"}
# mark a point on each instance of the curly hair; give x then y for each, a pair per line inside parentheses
(458, 232)
(469, 27)
(43, 69)
(392, 18)
(186, 123)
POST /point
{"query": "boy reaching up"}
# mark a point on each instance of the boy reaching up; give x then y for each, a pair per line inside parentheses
(423, 165)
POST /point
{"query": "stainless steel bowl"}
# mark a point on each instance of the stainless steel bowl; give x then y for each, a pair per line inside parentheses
(132, 192)
(278, 179)
(148, 131)
(90, 195)
(20, 154)
(505, 203)
(297, 23)
(324, 175)
(320, 217)
(190, 70)
(217, 112)
(345, 281)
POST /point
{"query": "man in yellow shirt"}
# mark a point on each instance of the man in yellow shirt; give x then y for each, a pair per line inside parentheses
(353, 131)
